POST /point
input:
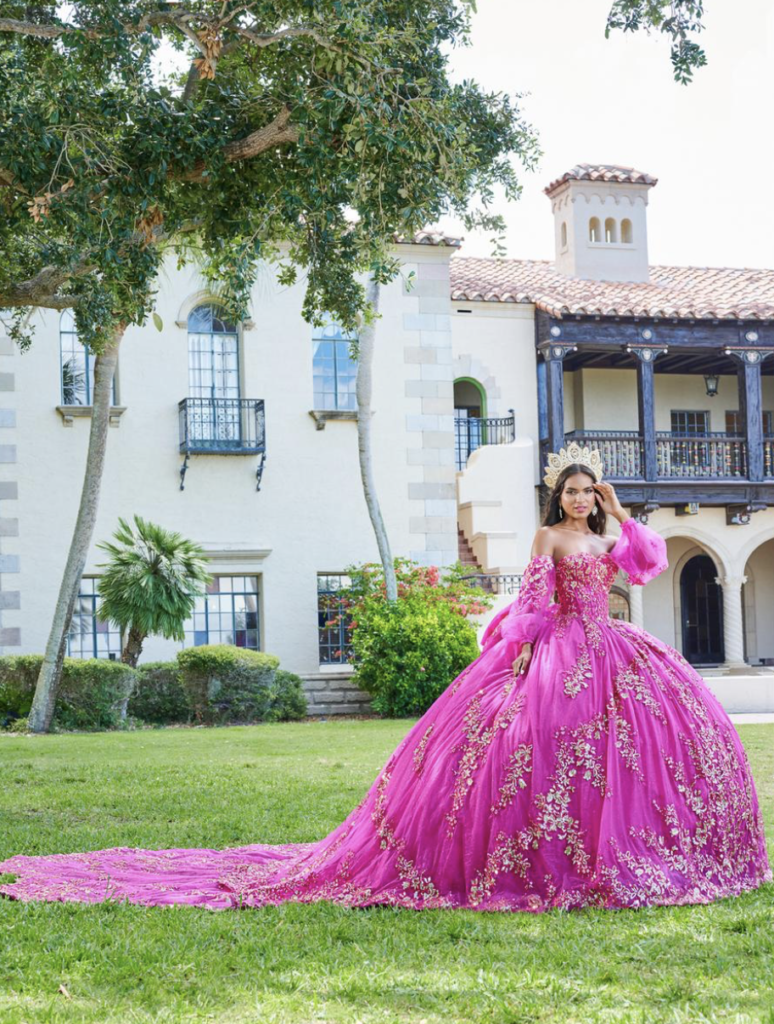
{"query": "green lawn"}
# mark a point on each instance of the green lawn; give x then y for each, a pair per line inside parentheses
(283, 783)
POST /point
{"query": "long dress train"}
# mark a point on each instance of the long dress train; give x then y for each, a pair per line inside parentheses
(606, 775)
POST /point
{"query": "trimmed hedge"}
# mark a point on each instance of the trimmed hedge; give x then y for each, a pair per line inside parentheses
(92, 695)
(406, 654)
(227, 684)
(159, 697)
(213, 684)
(288, 700)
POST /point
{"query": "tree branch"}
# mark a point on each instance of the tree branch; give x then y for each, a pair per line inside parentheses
(277, 133)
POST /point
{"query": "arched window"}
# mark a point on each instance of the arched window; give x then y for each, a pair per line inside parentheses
(333, 368)
(626, 231)
(611, 230)
(594, 230)
(213, 375)
(564, 234)
(76, 365)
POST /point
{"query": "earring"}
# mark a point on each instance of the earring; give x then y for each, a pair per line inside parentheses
(561, 512)
(594, 510)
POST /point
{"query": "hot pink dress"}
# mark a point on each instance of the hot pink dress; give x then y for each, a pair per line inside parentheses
(607, 775)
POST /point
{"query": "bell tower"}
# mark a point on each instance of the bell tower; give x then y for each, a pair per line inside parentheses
(600, 222)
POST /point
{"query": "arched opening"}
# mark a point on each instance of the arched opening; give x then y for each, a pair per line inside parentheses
(701, 600)
(564, 234)
(611, 230)
(618, 605)
(469, 418)
(594, 230)
(626, 231)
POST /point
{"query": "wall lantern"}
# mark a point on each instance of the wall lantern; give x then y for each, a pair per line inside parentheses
(711, 384)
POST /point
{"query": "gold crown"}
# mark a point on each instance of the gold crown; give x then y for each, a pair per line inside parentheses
(568, 456)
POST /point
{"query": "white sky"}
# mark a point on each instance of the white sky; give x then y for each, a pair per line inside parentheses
(592, 100)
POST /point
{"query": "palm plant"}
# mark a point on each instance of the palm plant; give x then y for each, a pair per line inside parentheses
(150, 584)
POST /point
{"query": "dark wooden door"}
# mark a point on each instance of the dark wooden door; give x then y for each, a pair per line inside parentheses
(701, 599)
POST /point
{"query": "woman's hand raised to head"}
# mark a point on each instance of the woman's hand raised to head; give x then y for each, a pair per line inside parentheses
(608, 501)
(521, 663)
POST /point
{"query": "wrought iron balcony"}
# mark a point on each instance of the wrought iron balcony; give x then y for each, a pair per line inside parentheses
(472, 432)
(222, 426)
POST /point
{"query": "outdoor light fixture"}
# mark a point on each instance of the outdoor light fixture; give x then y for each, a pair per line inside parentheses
(711, 384)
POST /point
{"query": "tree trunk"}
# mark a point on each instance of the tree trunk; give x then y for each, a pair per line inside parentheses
(51, 670)
(363, 390)
(133, 648)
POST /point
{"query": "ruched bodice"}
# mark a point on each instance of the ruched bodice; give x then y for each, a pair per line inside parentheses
(583, 582)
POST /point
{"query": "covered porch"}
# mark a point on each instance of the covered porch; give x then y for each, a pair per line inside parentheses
(658, 431)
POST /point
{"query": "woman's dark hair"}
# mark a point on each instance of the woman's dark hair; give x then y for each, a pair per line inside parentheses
(597, 523)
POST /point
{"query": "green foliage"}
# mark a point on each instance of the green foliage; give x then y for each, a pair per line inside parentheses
(159, 697)
(228, 684)
(92, 694)
(433, 585)
(677, 19)
(408, 652)
(288, 701)
(106, 163)
(152, 580)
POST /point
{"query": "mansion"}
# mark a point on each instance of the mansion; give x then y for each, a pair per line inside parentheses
(242, 437)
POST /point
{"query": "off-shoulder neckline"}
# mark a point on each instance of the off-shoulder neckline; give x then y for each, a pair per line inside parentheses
(590, 554)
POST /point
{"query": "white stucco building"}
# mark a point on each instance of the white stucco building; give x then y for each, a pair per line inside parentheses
(482, 366)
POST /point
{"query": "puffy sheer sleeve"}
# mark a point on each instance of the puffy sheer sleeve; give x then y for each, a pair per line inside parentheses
(521, 621)
(640, 552)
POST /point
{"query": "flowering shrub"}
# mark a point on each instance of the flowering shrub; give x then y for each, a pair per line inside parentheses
(407, 653)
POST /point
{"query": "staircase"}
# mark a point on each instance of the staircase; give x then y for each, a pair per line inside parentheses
(466, 555)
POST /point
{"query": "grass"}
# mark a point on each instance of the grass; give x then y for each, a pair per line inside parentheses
(300, 964)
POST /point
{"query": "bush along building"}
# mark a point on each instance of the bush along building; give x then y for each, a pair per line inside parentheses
(242, 436)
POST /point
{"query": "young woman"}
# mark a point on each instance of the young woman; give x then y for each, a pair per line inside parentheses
(578, 761)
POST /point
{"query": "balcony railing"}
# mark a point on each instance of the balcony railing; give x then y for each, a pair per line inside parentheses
(717, 455)
(472, 432)
(507, 583)
(621, 450)
(768, 455)
(222, 426)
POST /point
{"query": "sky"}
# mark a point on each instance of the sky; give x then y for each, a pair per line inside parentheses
(597, 100)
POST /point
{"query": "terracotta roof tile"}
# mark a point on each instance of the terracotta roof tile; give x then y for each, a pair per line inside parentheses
(602, 172)
(429, 238)
(696, 293)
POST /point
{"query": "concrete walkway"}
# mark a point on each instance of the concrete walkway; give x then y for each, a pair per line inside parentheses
(751, 719)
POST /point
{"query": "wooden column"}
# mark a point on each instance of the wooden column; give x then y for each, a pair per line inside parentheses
(646, 407)
(751, 405)
(554, 354)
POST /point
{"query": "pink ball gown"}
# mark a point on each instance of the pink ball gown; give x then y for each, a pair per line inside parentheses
(606, 775)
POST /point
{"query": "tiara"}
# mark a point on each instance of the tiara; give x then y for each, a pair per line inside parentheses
(568, 456)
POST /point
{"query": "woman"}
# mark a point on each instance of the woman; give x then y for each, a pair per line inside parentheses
(578, 761)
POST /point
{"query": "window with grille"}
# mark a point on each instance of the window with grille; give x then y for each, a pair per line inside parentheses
(88, 636)
(332, 619)
(76, 365)
(689, 422)
(334, 370)
(226, 614)
(735, 424)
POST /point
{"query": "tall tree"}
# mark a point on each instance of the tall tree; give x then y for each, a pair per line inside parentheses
(304, 134)
(363, 391)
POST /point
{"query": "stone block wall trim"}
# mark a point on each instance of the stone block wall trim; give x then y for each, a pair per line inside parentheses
(10, 598)
(335, 695)
(430, 418)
